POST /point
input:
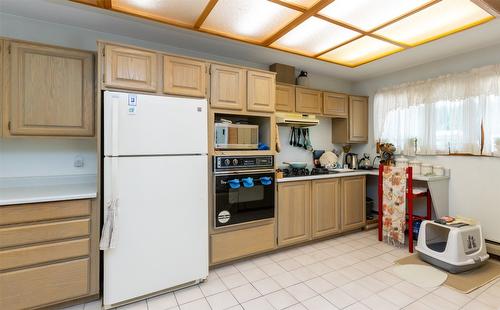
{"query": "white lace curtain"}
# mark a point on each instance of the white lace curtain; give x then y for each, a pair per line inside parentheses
(444, 115)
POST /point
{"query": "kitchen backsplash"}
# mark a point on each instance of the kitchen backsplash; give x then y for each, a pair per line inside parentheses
(27, 157)
(321, 139)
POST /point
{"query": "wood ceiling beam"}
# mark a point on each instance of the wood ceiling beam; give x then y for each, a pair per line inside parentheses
(289, 5)
(297, 21)
(416, 10)
(201, 19)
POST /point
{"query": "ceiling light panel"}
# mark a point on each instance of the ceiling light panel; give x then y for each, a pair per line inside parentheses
(369, 14)
(314, 36)
(360, 51)
(302, 3)
(438, 20)
(184, 12)
(248, 20)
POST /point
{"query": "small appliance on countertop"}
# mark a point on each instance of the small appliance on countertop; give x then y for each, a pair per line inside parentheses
(244, 189)
(351, 160)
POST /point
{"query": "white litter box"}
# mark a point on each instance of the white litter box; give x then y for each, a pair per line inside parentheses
(455, 249)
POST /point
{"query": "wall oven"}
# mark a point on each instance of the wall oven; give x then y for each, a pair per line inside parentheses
(244, 188)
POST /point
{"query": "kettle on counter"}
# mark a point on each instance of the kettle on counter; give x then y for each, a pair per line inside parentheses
(351, 159)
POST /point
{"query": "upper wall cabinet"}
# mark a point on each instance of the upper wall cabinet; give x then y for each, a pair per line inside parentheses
(228, 87)
(335, 105)
(130, 68)
(285, 98)
(260, 91)
(183, 76)
(353, 129)
(50, 91)
(358, 119)
(308, 101)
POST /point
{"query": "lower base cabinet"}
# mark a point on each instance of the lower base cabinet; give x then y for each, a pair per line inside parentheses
(294, 212)
(49, 253)
(320, 208)
(353, 203)
(235, 244)
(325, 207)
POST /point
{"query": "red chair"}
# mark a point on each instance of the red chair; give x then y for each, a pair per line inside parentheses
(411, 194)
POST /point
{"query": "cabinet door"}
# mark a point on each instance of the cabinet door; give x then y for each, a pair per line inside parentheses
(325, 207)
(261, 89)
(184, 76)
(294, 212)
(51, 91)
(130, 68)
(353, 203)
(358, 119)
(228, 87)
(285, 98)
(43, 285)
(335, 104)
(308, 100)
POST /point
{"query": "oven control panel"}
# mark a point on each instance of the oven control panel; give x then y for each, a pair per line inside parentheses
(243, 162)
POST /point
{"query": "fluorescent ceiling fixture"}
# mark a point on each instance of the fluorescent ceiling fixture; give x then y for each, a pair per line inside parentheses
(369, 14)
(347, 32)
(302, 3)
(253, 20)
(314, 36)
(360, 51)
(441, 19)
(183, 12)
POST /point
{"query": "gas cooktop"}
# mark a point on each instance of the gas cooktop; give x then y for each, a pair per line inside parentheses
(301, 172)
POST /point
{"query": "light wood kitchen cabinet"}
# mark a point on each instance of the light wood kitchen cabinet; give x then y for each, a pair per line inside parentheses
(130, 68)
(242, 242)
(285, 98)
(261, 89)
(354, 129)
(228, 87)
(185, 77)
(50, 91)
(335, 104)
(353, 202)
(308, 101)
(325, 207)
(49, 253)
(294, 212)
(358, 119)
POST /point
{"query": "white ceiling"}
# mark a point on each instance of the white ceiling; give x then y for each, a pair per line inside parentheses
(65, 12)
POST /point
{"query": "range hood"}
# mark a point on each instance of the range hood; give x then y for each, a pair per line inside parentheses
(296, 120)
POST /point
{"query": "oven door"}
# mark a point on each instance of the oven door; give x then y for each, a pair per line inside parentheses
(243, 197)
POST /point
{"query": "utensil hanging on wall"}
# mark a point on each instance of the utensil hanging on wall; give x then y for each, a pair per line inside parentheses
(292, 131)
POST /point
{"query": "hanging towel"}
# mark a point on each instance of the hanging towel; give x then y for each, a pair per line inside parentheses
(109, 237)
(394, 205)
(278, 143)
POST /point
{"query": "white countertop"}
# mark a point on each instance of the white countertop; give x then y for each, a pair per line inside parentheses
(358, 172)
(43, 189)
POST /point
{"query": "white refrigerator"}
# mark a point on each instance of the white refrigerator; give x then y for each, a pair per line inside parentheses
(155, 230)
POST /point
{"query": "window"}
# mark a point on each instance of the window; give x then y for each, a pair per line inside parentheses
(452, 114)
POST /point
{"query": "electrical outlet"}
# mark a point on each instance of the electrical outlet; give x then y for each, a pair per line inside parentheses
(79, 162)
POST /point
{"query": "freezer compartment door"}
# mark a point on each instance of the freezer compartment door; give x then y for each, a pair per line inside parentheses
(136, 124)
(162, 224)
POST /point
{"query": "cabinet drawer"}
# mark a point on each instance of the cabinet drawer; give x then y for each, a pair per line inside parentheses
(44, 285)
(44, 253)
(19, 235)
(239, 243)
(33, 212)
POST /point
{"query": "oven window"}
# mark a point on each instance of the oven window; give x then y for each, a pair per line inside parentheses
(241, 195)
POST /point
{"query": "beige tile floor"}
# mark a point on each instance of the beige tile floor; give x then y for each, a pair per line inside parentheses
(352, 272)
